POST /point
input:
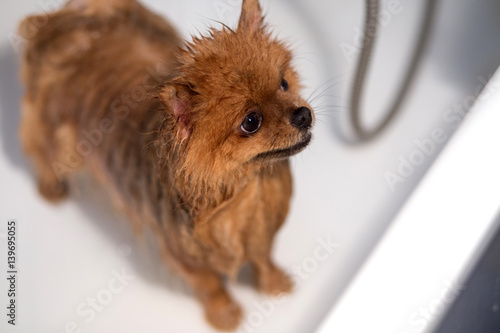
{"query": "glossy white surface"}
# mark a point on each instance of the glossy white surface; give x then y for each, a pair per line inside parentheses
(419, 266)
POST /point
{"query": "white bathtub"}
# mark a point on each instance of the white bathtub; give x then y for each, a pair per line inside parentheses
(69, 253)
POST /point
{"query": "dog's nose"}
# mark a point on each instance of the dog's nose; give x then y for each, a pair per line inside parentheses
(302, 118)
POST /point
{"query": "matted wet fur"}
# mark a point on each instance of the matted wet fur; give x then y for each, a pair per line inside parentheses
(192, 140)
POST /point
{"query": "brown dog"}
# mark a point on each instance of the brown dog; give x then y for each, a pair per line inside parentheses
(191, 141)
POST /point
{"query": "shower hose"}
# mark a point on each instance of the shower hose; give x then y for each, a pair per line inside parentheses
(358, 88)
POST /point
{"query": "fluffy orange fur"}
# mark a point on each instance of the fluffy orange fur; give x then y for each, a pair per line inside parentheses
(111, 88)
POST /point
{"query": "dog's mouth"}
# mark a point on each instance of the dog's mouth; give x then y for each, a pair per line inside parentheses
(286, 152)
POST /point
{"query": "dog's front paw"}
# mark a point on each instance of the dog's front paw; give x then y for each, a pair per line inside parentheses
(222, 312)
(275, 282)
(53, 190)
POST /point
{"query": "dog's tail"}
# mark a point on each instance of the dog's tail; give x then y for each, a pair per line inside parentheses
(41, 35)
(45, 32)
(38, 31)
(100, 7)
(73, 14)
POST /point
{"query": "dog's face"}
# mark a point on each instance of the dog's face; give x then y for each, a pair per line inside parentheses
(236, 99)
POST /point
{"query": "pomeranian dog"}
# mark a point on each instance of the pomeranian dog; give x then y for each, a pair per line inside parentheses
(191, 139)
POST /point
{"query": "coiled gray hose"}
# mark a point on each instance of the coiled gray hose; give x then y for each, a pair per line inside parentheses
(370, 33)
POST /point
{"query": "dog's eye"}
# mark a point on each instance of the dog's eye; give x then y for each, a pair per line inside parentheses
(251, 123)
(284, 85)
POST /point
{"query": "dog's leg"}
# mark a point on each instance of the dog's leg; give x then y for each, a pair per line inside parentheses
(276, 191)
(220, 309)
(270, 278)
(40, 142)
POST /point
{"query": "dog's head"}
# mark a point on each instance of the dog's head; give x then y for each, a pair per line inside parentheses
(235, 100)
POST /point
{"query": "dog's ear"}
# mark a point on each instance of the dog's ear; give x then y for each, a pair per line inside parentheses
(251, 16)
(178, 100)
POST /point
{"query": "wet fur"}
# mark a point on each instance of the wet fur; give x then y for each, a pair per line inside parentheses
(111, 88)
